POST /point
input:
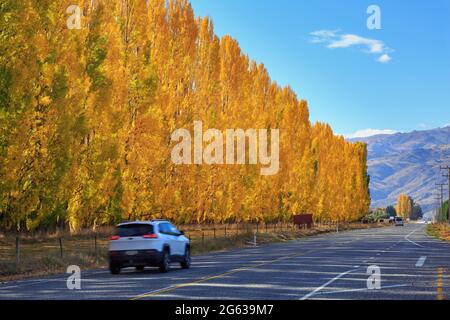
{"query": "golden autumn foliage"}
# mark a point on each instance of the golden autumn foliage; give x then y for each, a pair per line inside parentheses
(86, 117)
(405, 205)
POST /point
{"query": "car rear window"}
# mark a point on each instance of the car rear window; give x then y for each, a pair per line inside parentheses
(134, 230)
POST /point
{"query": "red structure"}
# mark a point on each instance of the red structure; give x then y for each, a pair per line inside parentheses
(303, 220)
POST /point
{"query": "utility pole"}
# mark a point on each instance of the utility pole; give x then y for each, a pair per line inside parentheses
(441, 185)
(447, 168)
(437, 214)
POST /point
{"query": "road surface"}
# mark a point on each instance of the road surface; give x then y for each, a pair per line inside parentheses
(330, 266)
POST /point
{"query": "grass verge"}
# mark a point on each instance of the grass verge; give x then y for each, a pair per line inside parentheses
(439, 230)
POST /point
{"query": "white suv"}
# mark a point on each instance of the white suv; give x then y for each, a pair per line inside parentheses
(156, 243)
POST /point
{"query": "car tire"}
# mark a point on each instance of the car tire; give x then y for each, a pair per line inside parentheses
(140, 268)
(186, 263)
(114, 269)
(165, 262)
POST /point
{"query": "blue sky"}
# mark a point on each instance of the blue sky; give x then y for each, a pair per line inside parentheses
(343, 82)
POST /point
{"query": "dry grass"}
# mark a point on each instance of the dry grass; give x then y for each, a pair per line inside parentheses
(439, 230)
(40, 253)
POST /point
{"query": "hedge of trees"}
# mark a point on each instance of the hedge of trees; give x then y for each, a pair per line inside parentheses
(86, 117)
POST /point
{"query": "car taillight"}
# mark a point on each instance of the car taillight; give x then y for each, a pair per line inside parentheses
(115, 238)
(150, 236)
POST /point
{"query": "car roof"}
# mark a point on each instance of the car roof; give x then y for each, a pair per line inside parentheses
(152, 222)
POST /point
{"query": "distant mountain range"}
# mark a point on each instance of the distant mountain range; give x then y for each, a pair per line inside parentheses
(407, 163)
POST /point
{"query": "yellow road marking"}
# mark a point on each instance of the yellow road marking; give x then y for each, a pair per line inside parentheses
(439, 286)
(170, 289)
(157, 292)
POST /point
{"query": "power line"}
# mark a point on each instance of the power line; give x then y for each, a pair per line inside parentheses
(447, 169)
(448, 137)
(437, 198)
(441, 185)
(441, 197)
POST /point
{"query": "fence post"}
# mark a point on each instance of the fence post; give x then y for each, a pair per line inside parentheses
(203, 238)
(257, 227)
(17, 249)
(60, 247)
(225, 231)
(214, 232)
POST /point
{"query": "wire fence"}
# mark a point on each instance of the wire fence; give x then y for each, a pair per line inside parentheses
(201, 232)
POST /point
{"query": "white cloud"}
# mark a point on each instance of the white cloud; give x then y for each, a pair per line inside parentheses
(321, 36)
(335, 40)
(384, 58)
(368, 133)
(348, 40)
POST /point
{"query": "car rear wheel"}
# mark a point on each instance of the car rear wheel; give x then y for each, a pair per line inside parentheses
(165, 263)
(114, 269)
(186, 263)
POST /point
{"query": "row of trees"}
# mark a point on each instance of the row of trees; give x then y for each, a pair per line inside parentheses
(86, 117)
(406, 208)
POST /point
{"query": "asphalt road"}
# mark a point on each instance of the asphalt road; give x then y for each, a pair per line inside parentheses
(331, 266)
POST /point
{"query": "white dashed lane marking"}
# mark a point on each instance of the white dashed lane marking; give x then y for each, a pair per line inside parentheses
(421, 261)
